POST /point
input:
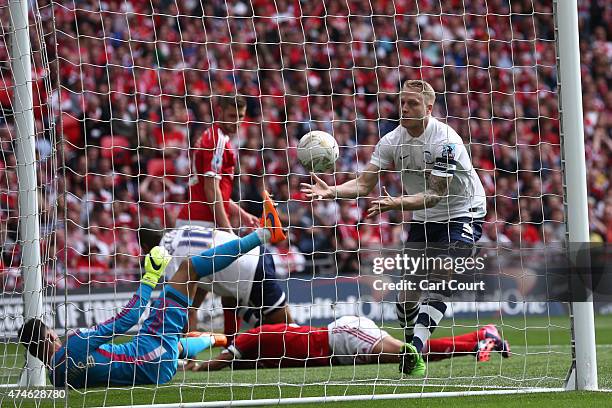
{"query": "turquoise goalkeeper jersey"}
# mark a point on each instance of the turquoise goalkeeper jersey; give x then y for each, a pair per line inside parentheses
(89, 358)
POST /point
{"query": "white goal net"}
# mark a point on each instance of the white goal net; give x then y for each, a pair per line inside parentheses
(124, 91)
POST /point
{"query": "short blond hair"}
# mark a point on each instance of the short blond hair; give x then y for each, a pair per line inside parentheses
(420, 86)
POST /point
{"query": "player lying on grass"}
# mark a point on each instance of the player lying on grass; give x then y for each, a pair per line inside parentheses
(346, 341)
(89, 357)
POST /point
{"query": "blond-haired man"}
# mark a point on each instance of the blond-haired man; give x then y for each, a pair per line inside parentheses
(444, 193)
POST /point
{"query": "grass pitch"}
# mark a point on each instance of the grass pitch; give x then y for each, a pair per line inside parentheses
(541, 357)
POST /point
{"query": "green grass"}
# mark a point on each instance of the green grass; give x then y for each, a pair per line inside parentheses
(541, 357)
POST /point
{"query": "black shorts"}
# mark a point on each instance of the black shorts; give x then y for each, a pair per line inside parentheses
(266, 294)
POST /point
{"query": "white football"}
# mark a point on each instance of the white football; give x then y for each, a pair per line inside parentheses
(318, 151)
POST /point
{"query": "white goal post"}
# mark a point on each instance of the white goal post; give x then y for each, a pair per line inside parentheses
(572, 133)
(34, 372)
(583, 372)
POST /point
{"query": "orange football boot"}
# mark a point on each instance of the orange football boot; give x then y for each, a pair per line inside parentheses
(270, 220)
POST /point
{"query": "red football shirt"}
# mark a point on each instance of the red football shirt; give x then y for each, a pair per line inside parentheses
(212, 156)
(274, 345)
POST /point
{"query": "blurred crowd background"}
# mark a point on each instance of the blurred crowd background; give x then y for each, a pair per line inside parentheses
(130, 86)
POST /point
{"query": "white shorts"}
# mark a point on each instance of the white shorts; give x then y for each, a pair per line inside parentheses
(352, 338)
(205, 224)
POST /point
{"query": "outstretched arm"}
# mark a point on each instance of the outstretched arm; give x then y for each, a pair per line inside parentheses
(358, 187)
(116, 325)
(86, 340)
(436, 190)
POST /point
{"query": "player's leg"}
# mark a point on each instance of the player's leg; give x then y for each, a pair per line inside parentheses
(268, 300)
(195, 342)
(407, 310)
(470, 344)
(220, 257)
(390, 349)
(231, 317)
(408, 305)
(455, 239)
(169, 312)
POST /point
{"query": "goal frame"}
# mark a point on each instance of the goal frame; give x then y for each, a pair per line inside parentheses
(583, 371)
(34, 372)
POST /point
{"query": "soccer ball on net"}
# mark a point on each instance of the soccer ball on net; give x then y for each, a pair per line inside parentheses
(318, 151)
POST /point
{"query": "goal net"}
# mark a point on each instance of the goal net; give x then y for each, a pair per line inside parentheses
(123, 90)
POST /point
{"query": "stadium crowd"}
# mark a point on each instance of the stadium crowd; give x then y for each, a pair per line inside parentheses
(130, 85)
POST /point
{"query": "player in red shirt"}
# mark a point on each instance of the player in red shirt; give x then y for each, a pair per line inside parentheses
(210, 190)
(213, 162)
(346, 341)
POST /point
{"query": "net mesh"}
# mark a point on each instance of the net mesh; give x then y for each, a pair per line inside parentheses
(124, 90)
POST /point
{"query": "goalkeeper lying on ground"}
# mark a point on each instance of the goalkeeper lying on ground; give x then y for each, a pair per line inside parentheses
(346, 341)
(89, 358)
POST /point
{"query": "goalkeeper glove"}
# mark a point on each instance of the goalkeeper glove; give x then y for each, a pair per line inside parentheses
(155, 265)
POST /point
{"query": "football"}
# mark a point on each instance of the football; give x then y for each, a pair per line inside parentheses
(318, 151)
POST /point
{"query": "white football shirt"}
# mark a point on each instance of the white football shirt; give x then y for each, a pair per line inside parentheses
(441, 152)
(234, 281)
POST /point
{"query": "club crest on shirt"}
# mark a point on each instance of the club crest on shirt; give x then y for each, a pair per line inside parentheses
(428, 157)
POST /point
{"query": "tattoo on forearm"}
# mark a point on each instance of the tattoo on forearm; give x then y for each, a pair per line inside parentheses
(437, 189)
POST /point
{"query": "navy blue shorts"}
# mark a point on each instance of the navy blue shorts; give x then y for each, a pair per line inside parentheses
(266, 294)
(455, 238)
(462, 229)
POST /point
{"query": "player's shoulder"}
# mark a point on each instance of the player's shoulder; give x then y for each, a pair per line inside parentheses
(211, 136)
(394, 136)
(443, 132)
(445, 139)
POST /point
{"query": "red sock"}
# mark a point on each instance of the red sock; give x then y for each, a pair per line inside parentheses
(472, 336)
(447, 347)
(231, 323)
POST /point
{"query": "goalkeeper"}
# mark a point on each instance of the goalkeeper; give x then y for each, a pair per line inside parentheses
(89, 358)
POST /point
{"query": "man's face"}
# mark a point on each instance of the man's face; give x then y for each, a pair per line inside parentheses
(414, 109)
(231, 119)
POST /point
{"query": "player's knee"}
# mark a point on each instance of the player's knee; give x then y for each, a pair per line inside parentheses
(404, 302)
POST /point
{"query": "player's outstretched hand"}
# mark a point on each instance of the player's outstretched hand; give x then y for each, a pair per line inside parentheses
(319, 190)
(155, 265)
(384, 203)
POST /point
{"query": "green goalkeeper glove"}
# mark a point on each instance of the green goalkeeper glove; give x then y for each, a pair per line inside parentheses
(155, 265)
